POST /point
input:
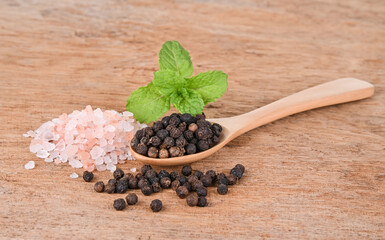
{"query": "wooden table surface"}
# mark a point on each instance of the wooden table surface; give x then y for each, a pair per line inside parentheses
(318, 174)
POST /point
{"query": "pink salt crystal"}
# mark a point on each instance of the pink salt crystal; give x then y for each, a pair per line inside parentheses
(99, 161)
(82, 155)
(75, 163)
(72, 150)
(102, 142)
(42, 154)
(101, 167)
(35, 147)
(96, 152)
(48, 146)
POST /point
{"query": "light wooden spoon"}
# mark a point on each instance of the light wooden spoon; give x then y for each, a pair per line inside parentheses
(330, 93)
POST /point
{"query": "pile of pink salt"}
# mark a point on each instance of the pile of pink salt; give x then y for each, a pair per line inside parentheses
(92, 139)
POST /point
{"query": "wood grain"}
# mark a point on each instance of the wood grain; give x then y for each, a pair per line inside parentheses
(318, 174)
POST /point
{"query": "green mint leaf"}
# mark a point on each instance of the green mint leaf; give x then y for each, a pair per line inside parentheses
(210, 85)
(147, 104)
(167, 81)
(187, 101)
(175, 58)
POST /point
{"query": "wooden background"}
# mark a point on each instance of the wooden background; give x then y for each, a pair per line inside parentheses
(319, 174)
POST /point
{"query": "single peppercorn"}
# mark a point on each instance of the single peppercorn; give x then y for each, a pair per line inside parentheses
(217, 129)
(186, 170)
(202, 191)
(134, 142)
(133, 183)
(181, 142)
(241, 167)
(155, 141)
(121, 186)
(192, 127)
(153, 152)
(182, 126)
(175, 115)
(232, 179)
(188, 186)
(163, 173)
(212, 174)
(139, 176)
(202, 202)
(88, 176)
(175, 121)
(146, 190)
(194, 141)
(156, 187)
(192, 178)
(131, 199)
(206, 180)
(182, 191)
(188, 135)
(175, 184)
(182, 179)
(202, 145)
(196, 184)
(151, 174)
(222, 189)
(99, 186)
(143, 182)
(174, 175)
(157, 126)
(119, 204)
(202, 133)
(169, 127)
(223, 181)
(198, 174)
(221, 175)
(118, 174)
(187, 118)
(192, 200)
(203, 123)
(112, 181)
(145, 168)
(144, 140)
(149, 132)
(191, 148)
(141, 149)
(139, 134)
(237, 172)
(163, 153)
(162, 134)
(175, 133)
(168, 142)
(165, 121)
(215, 140)
(176, 151)
(165, 182)
(110, 188)
(156, 205)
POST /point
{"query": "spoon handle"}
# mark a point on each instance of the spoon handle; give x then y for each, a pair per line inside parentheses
(338, 91)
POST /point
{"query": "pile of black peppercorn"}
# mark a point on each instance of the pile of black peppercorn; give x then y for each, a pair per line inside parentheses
(176, 135)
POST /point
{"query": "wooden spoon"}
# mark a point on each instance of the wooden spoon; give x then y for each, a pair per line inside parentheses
(330, 93)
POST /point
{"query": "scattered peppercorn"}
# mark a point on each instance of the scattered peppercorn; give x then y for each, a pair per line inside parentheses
(223, 181)
(163, 173)
(212, 174)
(198, 173)
(146, 190)
(188, 186)
(151, 174)
(99, 186)
(131, 199)
(174, 175)
(156, 187)
(133, 183)
(121, 186)
(232, 179)
(182, 191)
(110, 188)
(175, 184)
(88, 176)
(202, 191)
(206, 180)
(119, 204)
(237, 172)
(192, 178)
(192, 200)
(196, 184)
(202, 202)
(222, 189)
(241, 167)
(165, 182)
(187, 170)
(156, 205)
(118, 173)
(182, 179)
(142, 182)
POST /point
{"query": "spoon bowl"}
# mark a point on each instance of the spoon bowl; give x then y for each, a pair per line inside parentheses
(335, 92)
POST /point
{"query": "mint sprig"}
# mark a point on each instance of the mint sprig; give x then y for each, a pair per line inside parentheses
(173, 83)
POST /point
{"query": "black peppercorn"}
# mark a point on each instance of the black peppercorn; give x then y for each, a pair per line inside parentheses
(196, 184)
(176, 151)
(188, 186)
(241, 167)
(99, 186)
(202, 145)
(175, 133)
(165, 182)
(134, 142)
(188, 135)
(198, 173)
(146, 190)
(217, 129)
(202, 133)
(119, 204)
(182, 127)
(175, 115)
(143, 182)
(175, 184)
(165, 121)
(118, 174)
(221, 175)
(88, 176)
(163, 173)
(139, 176)
(151, 174)
(174, 175)
(156, 187)
(133, 183)
(156, 205)
(182, 179)
(149, 132)
(206, 180)
(154, 179)
(200, 116)
(157, 126)
(202, 191)
(202, 202)
(112, 181)
(181, 142)
(215, 140)
(192, 127)
(145, 168)
(192, 200)
(232, 179)
(191, 148)
(175, 121)
(155, 141)
(139, 134)
(237, 172)
(153, 152)
(192, 178)
(144, 140)
(163, 153)
(194, 141)
(162, 134)
(187, 118)
(121, 186)
(186, 170)
(223, 181)
(212, 174)
(168, 142)
(182, 191)
(131, 199)
(141, 149)
(110, 188)
(222, 189)
(169, 127)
